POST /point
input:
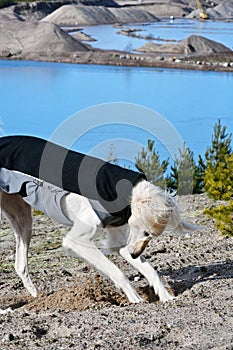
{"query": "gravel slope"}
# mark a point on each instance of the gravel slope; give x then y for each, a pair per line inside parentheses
(36, 39)
(79, 309)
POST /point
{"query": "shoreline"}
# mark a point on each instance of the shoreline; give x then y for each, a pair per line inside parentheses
(21, 24)
(121, 58)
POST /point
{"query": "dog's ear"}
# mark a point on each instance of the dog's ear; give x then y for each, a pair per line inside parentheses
(184, 227)
(180, 225)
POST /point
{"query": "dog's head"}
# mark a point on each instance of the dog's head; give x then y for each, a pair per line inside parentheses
(152, 210)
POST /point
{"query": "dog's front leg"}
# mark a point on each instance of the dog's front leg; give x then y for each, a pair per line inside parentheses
(78, 242)
(147, 270)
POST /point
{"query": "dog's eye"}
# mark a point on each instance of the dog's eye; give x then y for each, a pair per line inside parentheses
(146, 234)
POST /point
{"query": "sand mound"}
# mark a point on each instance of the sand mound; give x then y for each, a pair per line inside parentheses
(78, 15)
(36, 10)
(93, 292)
(36, 38)
(194, 44)
(199, 44)
(222, 11)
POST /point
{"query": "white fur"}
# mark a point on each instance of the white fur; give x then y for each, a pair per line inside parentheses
(152, 209)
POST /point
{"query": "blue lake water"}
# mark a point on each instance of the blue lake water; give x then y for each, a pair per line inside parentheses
(37, 97)
(178, 29)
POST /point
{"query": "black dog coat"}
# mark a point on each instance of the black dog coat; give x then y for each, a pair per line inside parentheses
(107, 186)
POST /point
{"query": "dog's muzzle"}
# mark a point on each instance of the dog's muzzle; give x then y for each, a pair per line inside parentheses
(138, 248)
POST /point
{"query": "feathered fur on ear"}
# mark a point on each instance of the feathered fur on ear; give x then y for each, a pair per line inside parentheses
(177, 223)
(151, 204)
(180, 225)
(158, 207)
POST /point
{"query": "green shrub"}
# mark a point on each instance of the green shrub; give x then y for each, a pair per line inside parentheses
(218, 176)
(223, 216)
(148, 162)
(186, 177)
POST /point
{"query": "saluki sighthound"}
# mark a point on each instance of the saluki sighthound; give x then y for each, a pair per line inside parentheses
(145, 214)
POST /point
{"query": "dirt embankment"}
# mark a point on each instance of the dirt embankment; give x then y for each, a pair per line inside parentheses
(79, 309)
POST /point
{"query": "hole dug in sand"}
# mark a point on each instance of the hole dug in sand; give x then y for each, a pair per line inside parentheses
(93, 292)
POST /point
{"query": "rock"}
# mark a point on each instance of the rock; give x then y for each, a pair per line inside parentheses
(5, 53)
(194, 44)
(11, 337)
(35, 39)
(8, 338)
(136, 278)
(78, 15)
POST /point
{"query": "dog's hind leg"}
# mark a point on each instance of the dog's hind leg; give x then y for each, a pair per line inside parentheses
(18, 213)
(147, 270)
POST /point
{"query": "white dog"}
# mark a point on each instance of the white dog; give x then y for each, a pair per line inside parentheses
(151, 210)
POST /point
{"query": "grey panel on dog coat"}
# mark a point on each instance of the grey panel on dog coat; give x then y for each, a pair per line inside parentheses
(39, 194)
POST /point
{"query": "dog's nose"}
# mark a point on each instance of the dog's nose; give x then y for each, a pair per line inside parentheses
(134, 256)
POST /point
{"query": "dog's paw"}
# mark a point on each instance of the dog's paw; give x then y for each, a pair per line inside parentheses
(166, 297)
(137, 300)
(134, 297)
(33, 291)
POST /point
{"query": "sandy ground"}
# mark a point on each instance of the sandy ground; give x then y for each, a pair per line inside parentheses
(79, 309)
